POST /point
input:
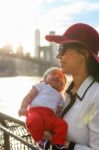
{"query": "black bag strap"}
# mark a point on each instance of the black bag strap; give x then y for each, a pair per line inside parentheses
(72, 101)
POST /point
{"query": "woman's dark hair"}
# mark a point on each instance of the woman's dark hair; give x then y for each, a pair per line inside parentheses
(93, 68)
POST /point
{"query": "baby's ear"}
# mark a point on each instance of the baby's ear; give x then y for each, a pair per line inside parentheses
(42, 80)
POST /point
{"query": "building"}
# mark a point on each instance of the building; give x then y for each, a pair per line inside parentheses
(47, 53)
(37, 42)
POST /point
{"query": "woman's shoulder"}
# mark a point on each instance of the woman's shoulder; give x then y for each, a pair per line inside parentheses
(96, 88)
(95, 93)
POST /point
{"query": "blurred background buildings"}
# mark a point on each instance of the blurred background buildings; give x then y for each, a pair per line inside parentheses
(47, 53)
(15, 62)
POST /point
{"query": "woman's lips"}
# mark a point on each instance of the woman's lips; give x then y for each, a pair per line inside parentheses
(62, 64)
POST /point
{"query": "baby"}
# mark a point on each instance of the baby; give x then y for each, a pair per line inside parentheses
(42, 106)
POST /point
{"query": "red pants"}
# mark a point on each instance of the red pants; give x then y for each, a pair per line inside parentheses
(40, 119)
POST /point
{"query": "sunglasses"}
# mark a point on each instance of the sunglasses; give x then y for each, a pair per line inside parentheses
(61, 49)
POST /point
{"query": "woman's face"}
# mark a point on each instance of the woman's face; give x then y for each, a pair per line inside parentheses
(71, 61)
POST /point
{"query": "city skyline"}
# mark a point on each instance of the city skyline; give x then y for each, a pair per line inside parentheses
(20, 19)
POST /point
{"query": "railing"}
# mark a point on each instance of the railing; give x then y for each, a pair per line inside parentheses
(13, 134)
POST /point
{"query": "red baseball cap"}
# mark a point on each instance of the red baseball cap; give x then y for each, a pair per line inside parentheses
(79, 33)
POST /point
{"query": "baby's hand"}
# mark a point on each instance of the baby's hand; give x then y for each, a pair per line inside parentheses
(22, 112)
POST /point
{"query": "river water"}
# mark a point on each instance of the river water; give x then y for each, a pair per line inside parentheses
(12, 91)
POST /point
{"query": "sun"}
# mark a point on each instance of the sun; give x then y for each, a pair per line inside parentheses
(17, 23)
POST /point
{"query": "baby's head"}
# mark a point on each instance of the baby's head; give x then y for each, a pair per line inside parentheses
(55, 77)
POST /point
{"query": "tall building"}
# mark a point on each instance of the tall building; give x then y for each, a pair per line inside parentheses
(53, 47)
(37, 42)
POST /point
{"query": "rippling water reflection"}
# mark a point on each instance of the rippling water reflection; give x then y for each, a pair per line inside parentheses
(12, 91)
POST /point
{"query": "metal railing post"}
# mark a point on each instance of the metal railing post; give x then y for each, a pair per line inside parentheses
(6, 136)
(6, 141)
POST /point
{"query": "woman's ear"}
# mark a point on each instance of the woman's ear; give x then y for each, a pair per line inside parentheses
(86, 53)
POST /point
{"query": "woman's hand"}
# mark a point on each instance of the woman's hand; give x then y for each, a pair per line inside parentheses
(67, 144)
(47, 135)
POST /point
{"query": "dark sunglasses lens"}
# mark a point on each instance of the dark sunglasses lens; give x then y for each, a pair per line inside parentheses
(61, 49)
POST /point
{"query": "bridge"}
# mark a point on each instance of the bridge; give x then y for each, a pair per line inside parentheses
(11, 64)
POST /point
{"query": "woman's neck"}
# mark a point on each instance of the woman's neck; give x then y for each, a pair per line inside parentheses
(78, 80)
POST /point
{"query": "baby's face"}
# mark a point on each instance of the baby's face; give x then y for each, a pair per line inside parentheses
(56, 79)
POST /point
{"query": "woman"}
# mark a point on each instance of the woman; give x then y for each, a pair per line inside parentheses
(78, 56)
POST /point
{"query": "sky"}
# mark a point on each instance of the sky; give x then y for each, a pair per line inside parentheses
(20, 18)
